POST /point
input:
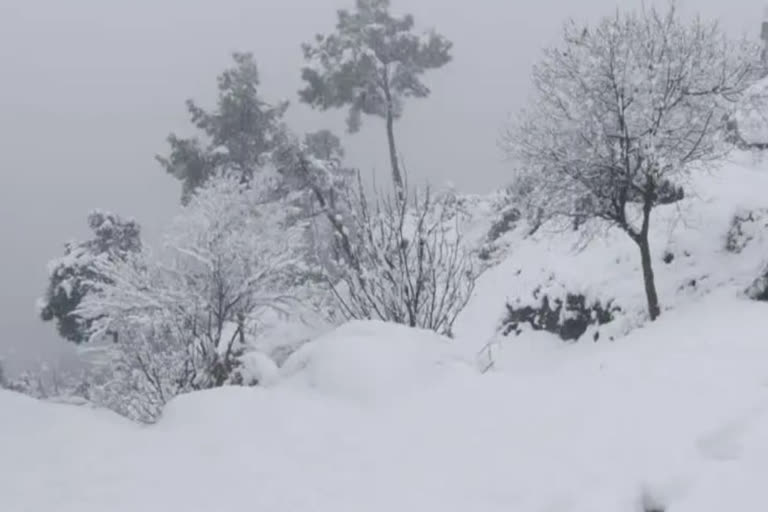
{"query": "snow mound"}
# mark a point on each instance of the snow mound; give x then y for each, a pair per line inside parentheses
(372, 360)
(211, 411)
(258, 368)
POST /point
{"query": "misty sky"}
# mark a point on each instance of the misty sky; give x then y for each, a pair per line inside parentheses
(89, 89)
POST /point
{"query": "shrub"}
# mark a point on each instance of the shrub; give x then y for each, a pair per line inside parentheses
(745, 226)
(569, 319)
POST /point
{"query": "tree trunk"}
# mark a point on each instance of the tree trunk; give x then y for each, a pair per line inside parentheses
(654, 310)
(397, 177)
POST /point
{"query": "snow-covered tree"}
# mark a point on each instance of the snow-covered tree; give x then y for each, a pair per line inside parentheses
(70, 278)
(371, 64)
(621, 112)
(186, 315)
(236, 135)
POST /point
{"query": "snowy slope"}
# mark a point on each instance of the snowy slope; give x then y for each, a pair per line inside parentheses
(605, 265)
(375, 417)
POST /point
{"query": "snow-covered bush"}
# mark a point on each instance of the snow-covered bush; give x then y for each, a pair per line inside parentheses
(758, 290)
(745, 227)
(567, 318)
(26, 383)
(405, 260)
(398, 257)
(185, 316)
(51, 382)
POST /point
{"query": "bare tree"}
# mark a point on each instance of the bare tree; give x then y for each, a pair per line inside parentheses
(400, 259)
(411, 266)
(621, 113)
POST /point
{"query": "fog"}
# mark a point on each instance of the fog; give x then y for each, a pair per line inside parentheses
(91, 88)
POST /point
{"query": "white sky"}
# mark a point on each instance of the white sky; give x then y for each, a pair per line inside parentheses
(89, 89)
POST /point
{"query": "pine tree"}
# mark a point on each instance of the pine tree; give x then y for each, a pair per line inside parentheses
(371, 64)
(235, 136)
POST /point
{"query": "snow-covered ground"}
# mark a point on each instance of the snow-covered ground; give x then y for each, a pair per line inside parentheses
(676, 412)
(376, 417)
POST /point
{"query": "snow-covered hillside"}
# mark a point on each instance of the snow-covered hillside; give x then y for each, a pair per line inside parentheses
(695, 247)
(670, 416)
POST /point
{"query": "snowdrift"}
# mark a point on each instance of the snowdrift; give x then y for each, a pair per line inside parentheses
(375, 361)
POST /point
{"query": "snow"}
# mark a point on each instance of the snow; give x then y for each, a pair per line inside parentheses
(374, 361)
(258, 367)
(379, 417)
(676, 412)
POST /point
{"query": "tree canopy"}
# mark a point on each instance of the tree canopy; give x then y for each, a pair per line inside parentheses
(371, 64)
(235, 135)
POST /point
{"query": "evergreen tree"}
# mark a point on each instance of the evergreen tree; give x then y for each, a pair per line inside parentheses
(236, 135)
(371, 64)
(71, 277)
